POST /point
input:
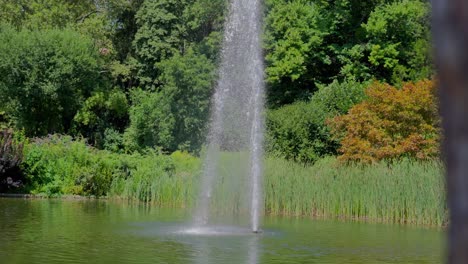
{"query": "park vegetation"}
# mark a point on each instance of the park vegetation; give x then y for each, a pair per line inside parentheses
(112, 98)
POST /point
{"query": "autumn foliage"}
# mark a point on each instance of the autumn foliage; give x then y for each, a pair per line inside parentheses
(391, 123)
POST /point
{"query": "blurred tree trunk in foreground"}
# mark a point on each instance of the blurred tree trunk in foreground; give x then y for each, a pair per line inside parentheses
(450, 25)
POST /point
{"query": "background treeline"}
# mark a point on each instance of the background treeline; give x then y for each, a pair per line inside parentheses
(126, 75)
(127, 85)
(131, 75)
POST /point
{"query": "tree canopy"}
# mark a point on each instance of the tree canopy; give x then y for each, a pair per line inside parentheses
(129, 75)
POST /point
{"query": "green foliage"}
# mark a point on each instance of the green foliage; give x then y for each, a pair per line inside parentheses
(58, 165)
(100, 113)
(309, 42)
(113, 141)
(45, 77)
(170, 27)
(398, 35)
(188, 82)
(160, 34)
(299, 132)
(150, 121)
(42, 13)
(11, 156)
(175, 117)
(294, 54)
(158, 179)
(390, 124)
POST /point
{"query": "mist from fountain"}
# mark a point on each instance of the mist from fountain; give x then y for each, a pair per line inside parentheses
(237, 122)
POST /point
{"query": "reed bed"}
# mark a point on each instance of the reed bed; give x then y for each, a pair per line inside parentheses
(166, 181)
(402, 192)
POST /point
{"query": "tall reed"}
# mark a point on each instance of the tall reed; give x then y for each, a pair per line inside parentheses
(402, 192)
(160, 180)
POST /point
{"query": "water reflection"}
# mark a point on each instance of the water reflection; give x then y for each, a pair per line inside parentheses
(202, 253)
(233, 248)
(53, 231)
(253, 256)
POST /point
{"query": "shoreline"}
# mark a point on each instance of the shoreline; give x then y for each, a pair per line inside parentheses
(46, 197)
(363, 219)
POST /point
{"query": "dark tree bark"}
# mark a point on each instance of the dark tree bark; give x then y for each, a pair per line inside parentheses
(450, 27)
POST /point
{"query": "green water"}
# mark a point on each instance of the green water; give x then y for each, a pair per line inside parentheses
(56, 231)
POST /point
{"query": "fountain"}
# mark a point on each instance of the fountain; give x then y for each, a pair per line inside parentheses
(237, 125)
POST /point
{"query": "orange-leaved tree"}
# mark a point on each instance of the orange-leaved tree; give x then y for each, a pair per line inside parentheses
(391, 123)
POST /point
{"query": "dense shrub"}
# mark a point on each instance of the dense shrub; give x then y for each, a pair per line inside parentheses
(298, 131)
(45, 77)
(391, 123)
(11, 155)
(103, 114)
(59, 165)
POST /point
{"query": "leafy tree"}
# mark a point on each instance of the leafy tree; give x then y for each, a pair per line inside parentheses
(45, 77)
(393, 44)
(399, 44)
(169, 27)
(188, 82)
(294, 56)
(392, 123)
(102, 112)
(309, 43)
(299, 131)
(173, 118)
(161, 33)
(151, 122)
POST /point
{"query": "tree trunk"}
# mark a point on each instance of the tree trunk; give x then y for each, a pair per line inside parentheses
(450, 27)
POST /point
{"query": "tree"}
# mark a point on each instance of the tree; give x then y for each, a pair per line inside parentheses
(309, 43)
(169, 27)
(294, 54)
(104, 112)
(391, 123)
(398, 35)
(161, 33)
(299, 132)
(175, 117)
(45, 77)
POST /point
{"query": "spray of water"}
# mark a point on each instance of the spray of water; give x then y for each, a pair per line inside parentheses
(237, 120)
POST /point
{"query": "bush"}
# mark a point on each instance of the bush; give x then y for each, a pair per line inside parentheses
(45, 77)
(392, 123)
(11, 155)
(59, 165)
(298, 131)
(102, 117)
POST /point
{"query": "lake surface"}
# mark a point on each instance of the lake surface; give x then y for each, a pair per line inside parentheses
(61, 231)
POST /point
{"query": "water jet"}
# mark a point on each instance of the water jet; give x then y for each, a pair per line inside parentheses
(237, 120)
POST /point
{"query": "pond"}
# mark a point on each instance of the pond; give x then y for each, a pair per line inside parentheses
(64, 231)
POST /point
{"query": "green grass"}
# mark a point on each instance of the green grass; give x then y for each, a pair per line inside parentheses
(404, 192)
(162, 180)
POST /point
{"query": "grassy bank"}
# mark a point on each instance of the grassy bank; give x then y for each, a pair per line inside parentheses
(402, 192)
(58, 166)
